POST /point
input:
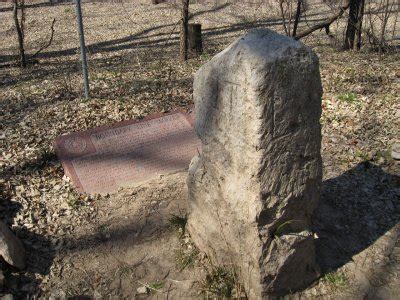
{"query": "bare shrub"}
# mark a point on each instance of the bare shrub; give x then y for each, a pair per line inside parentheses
(381, 24)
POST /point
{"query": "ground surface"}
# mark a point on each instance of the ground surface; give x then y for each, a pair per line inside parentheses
(80, 245)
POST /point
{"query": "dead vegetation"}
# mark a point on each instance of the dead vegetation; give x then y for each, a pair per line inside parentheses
(75, 241)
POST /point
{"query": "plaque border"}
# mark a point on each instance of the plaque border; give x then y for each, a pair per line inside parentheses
(66, 158)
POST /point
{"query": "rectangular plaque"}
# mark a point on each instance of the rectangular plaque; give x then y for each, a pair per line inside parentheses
(104, 159)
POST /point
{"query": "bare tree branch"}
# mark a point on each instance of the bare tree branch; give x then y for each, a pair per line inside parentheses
(50, 39)
(283, 17)
(325, 23)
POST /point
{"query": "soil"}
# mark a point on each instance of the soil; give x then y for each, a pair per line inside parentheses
(95, 246)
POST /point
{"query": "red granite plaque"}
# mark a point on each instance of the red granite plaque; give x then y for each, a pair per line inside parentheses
(103, 159)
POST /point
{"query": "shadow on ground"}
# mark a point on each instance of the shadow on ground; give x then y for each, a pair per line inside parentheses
(356, 208)
(150, 38)
(38, 5)
(38, 249)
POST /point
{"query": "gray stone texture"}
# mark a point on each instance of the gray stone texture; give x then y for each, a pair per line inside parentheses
(11, 248)
(254, 187)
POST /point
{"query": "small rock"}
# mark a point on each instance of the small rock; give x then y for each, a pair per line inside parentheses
(396, 151)
(141, 290)
(7, 297)
(11, 248)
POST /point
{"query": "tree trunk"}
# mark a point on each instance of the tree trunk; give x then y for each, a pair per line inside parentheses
(359, 24)
(22, 18)
(297, 18)
(354, 23)
(383, 27)
(20, 36)
(184, 30)
(195, 43)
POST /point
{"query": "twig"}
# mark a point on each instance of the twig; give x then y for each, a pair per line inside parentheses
(325, 23)
(50, 40)
(283, 17)
(169, 289)
(172, 31)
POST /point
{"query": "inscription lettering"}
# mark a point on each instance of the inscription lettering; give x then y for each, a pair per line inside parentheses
(136, 152)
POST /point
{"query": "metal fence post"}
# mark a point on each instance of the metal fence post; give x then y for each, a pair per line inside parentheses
(83, 48)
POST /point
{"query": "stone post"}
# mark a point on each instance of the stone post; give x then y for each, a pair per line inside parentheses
(254, 187)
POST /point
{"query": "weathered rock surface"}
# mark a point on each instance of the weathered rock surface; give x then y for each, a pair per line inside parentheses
(253, 189)
(11, 248)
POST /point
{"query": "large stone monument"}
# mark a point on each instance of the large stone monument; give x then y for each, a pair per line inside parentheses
(253, 189)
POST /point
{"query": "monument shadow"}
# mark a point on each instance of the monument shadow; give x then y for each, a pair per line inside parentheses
(355, 209)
